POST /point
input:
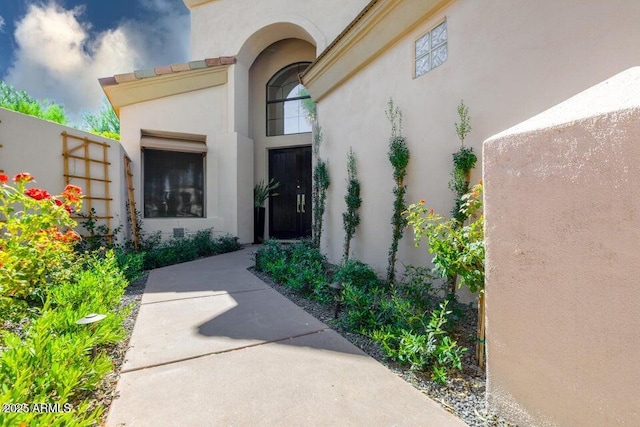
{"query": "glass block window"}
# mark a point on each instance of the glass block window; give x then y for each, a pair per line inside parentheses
(431, 49)
(173, 184)
(286, 112)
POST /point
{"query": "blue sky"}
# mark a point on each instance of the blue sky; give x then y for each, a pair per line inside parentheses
(58, 49)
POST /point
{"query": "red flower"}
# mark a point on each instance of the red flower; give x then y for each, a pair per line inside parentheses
(4, 178)
(431, 212)
(23, 177)
(58, 202)
(37, 193)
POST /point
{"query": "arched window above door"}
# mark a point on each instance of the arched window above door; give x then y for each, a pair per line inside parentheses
(286, 112)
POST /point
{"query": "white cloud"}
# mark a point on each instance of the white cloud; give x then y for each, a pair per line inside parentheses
(57, 56)
(2, 22)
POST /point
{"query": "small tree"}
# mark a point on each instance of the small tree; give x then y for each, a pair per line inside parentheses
(103, 122)
(351, 218)
(399, 158)
(464, 160)
(22, 102)
(458, 250)
(321, 184)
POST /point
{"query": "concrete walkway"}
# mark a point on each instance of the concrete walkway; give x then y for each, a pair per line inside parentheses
(215, 346)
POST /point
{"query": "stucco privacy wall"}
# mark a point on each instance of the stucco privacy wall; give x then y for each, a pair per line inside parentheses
(225, 27)
(202, 112)
(35, 146)
(508, 60)
(563, 259)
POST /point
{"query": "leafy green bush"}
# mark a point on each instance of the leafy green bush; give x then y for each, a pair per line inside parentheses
(358, 274)
(431, 348)
(175, 251)
(398, 318)
(419, 286)
(269, 253)
(300, 266)
(36, 246)
(131, 263)
(51, 363)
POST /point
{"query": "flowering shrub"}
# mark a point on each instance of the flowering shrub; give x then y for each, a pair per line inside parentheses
(36, 241)
(456, 250)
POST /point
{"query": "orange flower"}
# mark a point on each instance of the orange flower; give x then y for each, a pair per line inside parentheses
(72, 193)
(23, 177)
(4, 178)
(422, 201)
(431, 212)
(480, 182)
(70, 236)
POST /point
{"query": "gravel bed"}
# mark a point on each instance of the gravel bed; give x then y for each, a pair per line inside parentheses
(464, 392)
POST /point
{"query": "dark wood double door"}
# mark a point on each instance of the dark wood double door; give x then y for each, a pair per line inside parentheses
(290, 211)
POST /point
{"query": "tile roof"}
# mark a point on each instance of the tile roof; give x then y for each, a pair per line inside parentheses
(167, 69)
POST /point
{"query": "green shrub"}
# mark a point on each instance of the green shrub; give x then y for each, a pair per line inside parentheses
(271, 251)
(36, 242)
(299, 266)
(358, 274)
(432, 349)
(419, 286)
(131, 264)
(52, 362)
(162, 254)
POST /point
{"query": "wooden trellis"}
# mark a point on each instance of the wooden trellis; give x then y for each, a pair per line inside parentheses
(132, 202)
(86, 164)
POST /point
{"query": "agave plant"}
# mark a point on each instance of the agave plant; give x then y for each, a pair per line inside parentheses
(262, 191)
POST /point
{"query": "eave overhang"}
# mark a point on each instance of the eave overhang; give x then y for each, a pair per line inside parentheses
(381, 24)
(132, 88)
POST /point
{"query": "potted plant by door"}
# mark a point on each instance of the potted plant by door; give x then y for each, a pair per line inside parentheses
(261, 193)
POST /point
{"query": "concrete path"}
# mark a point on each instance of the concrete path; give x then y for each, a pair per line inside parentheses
(215, 346)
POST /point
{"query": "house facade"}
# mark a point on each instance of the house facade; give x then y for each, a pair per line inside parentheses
(200, 135)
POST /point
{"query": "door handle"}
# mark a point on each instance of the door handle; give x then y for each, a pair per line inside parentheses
(303, 204)
(298, 203)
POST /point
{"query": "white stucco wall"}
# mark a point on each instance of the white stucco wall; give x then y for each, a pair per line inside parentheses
(563, 260)
(202, 112)
(222, 27)
(33, 145)
(507, 60)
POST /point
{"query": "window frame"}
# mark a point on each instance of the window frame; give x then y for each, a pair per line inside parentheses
(430, 49)
(282, 100)
(144, 190)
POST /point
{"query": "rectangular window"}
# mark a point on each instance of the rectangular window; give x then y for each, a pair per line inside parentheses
(173, 184)
(431, 50)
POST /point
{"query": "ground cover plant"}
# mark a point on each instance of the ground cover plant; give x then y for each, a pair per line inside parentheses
(299, 266)
(49, 365)
(410, 321)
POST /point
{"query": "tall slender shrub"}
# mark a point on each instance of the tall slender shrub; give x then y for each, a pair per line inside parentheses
(464, 160)
(399, 158)
(351, 218)
(321, 184)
